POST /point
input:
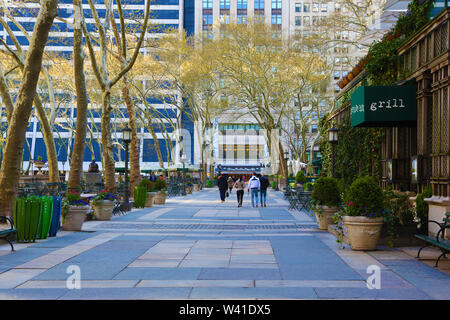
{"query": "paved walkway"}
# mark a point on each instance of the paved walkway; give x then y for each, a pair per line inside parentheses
(194, 247)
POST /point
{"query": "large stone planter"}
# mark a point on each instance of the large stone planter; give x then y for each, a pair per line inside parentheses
(196, 187)
(160, 198)
(189, 190)
(73, 221)
(363, 232)
(103, 210)
(326, 217)
(150, 199)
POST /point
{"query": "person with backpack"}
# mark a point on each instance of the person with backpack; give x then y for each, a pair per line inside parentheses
(223, 187)
(254, 186)
(240, 186)
(230, 182)
(264, 182)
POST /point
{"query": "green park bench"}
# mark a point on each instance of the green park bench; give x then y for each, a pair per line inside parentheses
(438, 240)
(5, 233)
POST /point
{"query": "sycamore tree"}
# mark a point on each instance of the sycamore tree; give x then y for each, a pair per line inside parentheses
(46, 100)
(106, 81)
(253, 74)
(10, 169)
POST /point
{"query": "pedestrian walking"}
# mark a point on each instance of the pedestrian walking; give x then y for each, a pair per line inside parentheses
(223, 186)
(264, 183)
(240, 186)
(230, 182)
(254, 186)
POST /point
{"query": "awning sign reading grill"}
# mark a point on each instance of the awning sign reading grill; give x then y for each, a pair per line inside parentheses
(383, 106)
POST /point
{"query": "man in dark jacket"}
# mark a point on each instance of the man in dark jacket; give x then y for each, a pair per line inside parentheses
(223, 186)
(264, 182)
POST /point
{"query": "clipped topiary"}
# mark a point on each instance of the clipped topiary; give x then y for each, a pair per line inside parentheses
(326, 192)
(300, 177)
(140, 195)
(364, 198)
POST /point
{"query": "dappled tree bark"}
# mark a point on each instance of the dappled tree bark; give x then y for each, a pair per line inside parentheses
(76, 161)
(10, 170)
(49, 140)
(135, 169)
(6, 97)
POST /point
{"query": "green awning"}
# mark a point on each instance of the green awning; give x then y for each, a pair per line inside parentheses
(384, 106)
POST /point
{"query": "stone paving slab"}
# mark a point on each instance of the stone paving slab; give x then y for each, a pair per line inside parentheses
(32, 294)
(196, 283)
(127, 294)
(253, 293)
(62, 284)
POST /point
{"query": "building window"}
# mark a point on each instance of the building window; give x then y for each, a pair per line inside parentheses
(259, 18)
(276, 4)
(224, 4)
(298, 21)
(259, 4)
(207, 21)
(276, 19)
(315, 7)
(241, 18)
(315, 21)
(337, 75)
(207, 4)
(306, 7)
(337, 7)
(224, 18)
(306, 21)
(324, 7)
(298, 7)
(242, 4)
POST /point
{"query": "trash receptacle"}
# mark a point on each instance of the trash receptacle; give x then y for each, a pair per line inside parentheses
(56, 216)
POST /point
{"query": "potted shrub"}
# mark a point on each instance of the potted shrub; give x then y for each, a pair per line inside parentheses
(74, 211)
(400, 223)
(150, 196)
(196, 185)
(208, 184)
(140, 196)
(325, 200)
(39, 164)
(189, 188)
(300, 178)
(103, 204)
(160, 187)
(363, 213)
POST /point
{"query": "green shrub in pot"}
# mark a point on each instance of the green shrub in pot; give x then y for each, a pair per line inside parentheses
(325, 200)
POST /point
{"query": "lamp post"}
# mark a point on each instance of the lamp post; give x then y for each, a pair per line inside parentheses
(183, 160)
(286, 158)
(126, 138)
(333, 139)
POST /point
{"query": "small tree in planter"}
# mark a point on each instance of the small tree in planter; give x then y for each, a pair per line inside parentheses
(74, 211)
(140, 196)
(325, 201)
(300, 178)
(103, 204)
(150, 194)
(160, 187)
(363, 213)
